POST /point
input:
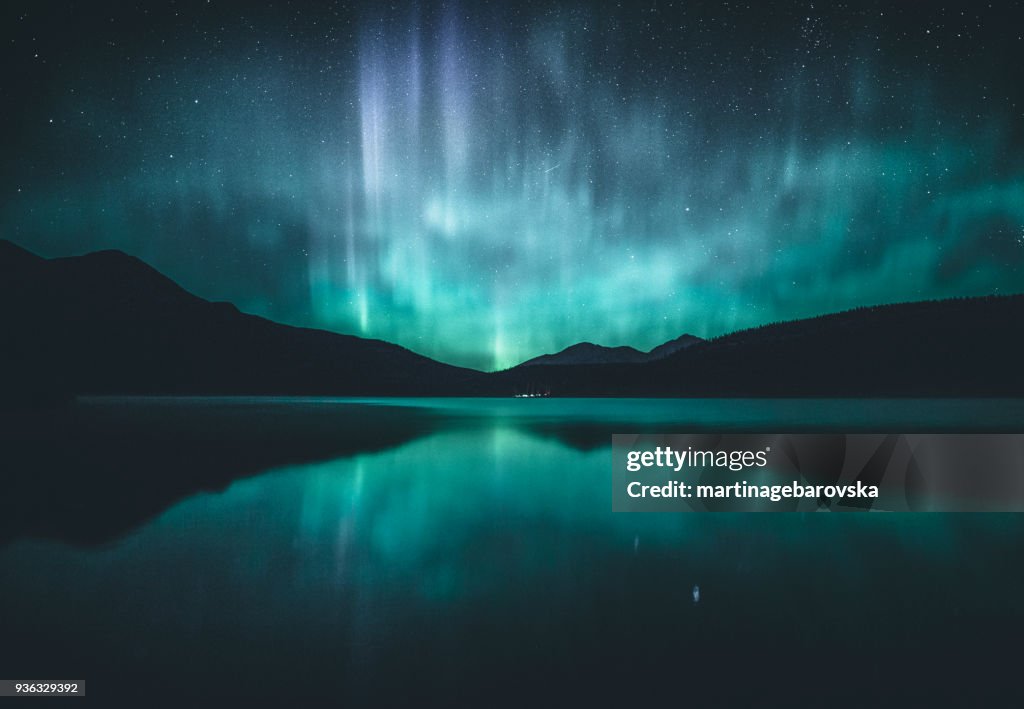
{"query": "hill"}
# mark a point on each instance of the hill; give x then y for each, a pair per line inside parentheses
(589, 353)
(948, 348)
(108, 323)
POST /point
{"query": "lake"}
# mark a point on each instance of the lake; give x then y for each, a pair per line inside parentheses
(460, 551)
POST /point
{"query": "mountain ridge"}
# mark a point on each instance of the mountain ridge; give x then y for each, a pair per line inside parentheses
(915, 349)
(590, 353)
(108, 323)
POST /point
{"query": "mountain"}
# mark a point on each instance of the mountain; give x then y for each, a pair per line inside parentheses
(589, 353)
(108, 323)
(672, 346)
(962, 347)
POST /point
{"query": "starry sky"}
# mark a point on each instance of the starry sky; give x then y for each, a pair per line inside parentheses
(483, 183)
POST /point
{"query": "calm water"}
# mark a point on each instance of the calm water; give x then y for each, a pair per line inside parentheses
(369, 552)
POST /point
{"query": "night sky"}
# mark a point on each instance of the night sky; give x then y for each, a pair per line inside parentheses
(485, 183)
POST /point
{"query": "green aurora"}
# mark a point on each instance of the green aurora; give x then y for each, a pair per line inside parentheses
(486, 184)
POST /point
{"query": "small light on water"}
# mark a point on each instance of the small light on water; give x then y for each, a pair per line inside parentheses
(696, 594)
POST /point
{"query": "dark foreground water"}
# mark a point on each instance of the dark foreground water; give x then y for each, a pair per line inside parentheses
(464, 552)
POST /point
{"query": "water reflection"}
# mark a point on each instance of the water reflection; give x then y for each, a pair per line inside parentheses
(479, 561)
(91, 472)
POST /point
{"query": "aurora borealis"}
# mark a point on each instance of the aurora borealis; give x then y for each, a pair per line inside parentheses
(486, 183)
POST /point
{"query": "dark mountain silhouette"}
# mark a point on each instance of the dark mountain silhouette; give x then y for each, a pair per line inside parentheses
(672, 346)
(108, 323)
(589, 353)
(962, 347)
